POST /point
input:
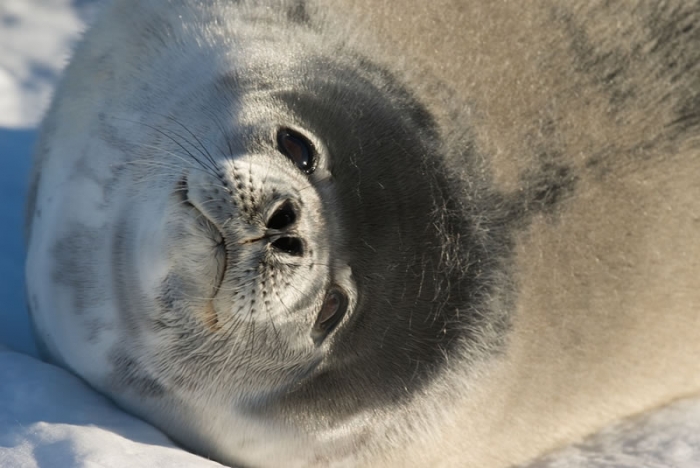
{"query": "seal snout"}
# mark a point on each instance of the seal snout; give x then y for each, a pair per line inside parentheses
(252, 209)
(281, 228)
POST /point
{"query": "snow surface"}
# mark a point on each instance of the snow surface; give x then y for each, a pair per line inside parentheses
(35, 40)
(51, 419)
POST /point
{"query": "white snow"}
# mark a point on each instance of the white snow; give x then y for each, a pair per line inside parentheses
(51, 419)
(35, 41)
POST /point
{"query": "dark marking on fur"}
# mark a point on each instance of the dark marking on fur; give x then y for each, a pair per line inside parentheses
(655, 67)
(129, 375)
(170, 285)
(607, 68)
(95, 326)
(297, 12)
(80, 278)
(548, 185)
(110, 134)
(674, 28)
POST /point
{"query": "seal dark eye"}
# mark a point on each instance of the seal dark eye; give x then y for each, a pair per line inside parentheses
(298, 149)
(334, 306)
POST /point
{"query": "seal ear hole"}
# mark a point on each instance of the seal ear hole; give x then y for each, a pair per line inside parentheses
(289, 245)
(298, 149)
(332, 312)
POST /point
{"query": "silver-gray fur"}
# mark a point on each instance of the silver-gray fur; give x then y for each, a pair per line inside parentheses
(374, 233)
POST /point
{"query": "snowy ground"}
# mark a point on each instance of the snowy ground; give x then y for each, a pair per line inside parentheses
(50, 419)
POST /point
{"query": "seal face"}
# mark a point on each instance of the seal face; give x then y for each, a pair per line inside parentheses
(285, 247)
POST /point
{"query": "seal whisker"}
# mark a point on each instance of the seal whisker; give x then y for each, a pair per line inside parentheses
(241, 286)
(272, 323)
(250, 338)
(228, 334)
(189, 163)
(286, 308)
(208, 169)
(222, 129)
(211, 167)
(201, 149)
(161, 172)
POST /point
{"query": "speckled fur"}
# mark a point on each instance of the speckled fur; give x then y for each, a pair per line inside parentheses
(510, 192)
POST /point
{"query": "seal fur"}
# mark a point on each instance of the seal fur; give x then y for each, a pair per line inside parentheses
(511, 207)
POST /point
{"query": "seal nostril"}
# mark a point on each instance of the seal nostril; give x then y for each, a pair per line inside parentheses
(289, 245)
(283, 217)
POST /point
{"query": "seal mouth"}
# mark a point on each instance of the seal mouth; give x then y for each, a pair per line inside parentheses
(182, 192)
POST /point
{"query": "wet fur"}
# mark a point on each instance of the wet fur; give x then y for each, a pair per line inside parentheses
(559, 288)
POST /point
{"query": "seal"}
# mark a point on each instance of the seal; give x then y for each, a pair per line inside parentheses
(313, 233)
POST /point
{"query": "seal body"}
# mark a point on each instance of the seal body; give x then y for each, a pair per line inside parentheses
(299, 233)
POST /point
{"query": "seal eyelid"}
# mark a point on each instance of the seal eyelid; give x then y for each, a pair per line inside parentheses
(331, 314)
(298, 149)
